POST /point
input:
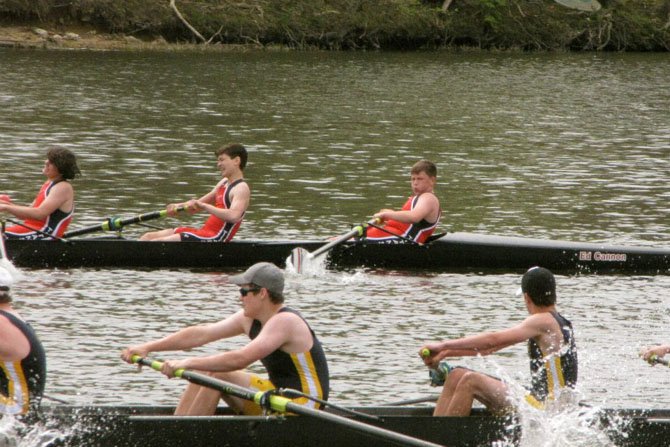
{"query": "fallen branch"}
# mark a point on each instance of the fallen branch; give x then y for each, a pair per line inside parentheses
(185, 22)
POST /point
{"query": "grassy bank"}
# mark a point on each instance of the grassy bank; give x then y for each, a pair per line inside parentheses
(620, 25)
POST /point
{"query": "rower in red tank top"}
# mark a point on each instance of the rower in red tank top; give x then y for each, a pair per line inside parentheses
(226, 203)
(419, 216)
(51, 211)
(215, 229)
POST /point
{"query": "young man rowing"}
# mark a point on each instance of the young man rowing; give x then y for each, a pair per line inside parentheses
(280, 338)
(23, 370)
(551, 348)
(226, 203)
(419, 215)
(51, 211)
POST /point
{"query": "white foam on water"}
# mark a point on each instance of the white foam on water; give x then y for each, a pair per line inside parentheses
(15, 433)
(309, 266)
(565, 422)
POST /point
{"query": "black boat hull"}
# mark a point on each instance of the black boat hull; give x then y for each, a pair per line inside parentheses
(456, 252)
(154, 426)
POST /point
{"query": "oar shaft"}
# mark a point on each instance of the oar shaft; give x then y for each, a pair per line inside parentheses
(116, 223)
(284, 405)
(358, 229)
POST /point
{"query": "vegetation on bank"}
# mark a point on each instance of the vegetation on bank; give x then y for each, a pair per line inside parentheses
(620, 25)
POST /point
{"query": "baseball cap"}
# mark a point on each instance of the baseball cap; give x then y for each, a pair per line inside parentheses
(6, 279)
(539, 283)
(262, 274)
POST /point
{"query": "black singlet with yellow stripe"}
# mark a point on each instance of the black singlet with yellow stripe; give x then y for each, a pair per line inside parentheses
(303, 371)
(553, 372)
(22, 382)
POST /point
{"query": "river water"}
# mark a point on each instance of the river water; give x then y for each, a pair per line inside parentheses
(557, 146)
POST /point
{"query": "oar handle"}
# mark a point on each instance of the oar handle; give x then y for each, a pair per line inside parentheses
(154, 364)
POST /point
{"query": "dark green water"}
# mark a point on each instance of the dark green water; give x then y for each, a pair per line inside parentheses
(557, 146)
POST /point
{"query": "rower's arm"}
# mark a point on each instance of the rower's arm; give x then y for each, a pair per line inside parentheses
(490, 342)
(14, 346)
(277, 332)
(240, 197)
(191, 337)
(60, 194)
(428, 207)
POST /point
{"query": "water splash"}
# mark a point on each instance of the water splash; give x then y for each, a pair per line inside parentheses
(564, 422)
(16, 433)
(305, 264)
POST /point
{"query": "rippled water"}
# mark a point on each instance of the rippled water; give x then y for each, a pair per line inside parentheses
(556, 146)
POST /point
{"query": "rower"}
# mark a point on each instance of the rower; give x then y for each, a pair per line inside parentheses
(22, 358)
(226, 203)
(420, 214)
(51, 211)
(551, 348)
(280, 338)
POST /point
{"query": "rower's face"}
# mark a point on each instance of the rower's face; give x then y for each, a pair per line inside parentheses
(250, 297)
(422, 182)
(225, 164)
(50, 170)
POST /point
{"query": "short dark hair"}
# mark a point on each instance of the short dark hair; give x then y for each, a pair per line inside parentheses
(424, 166)
(540, 284)
(65, 161)
(234, 150)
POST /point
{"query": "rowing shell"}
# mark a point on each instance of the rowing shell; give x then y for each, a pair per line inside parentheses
(108, 426)
(453, 252)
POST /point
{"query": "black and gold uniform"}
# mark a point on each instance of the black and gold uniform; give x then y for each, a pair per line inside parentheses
(553, 372)
(303, 371)
(22, 382)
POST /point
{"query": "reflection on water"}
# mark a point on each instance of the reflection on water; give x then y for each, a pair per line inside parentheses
(558, 146)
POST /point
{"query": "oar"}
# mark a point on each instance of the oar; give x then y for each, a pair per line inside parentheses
(283, 405)
(301, 257)
(116, 223)
(399, 236)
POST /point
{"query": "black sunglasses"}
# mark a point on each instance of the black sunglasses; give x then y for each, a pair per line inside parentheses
(245, 291)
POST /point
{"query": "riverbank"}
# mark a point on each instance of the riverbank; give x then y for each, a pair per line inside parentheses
(526, 25)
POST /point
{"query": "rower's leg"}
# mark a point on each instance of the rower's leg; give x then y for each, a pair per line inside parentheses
(448, 391)
(197, 401)
(157, 235)
(492, 392)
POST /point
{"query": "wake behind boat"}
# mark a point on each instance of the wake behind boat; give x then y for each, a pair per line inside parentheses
(148, 426)
(453, 252)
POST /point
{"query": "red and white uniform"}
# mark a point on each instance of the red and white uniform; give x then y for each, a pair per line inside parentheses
(419, 232)
(55, 223)
(215, 229)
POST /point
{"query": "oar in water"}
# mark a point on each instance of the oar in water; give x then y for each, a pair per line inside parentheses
(116, 223)
(283, 405)
(300, 257)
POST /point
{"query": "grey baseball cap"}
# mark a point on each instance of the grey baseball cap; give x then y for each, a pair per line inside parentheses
(262, 274)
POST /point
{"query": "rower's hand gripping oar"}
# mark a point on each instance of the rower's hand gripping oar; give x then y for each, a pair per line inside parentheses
(300, 257)
(117, 223)
(656, 360)
(283, 405)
